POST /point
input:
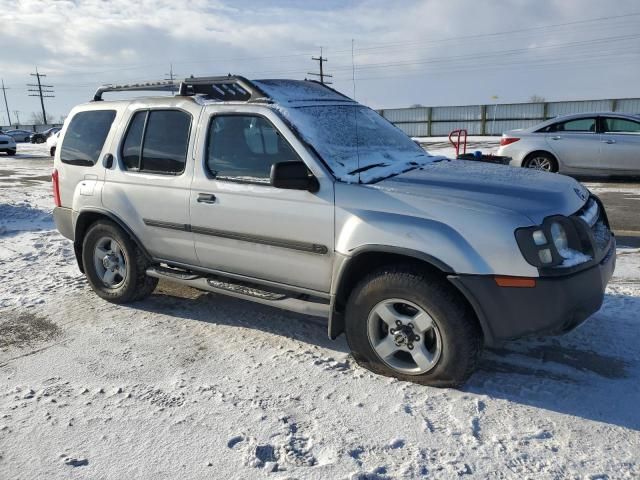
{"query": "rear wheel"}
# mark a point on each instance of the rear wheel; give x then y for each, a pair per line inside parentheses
(405, 323)
(541, 161)
(114, 265)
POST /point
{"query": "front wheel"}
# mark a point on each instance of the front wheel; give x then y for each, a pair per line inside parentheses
(114, 265)
(11, 153)
(406, 323)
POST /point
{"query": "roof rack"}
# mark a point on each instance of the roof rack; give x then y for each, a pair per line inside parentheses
(228, 88)
(161, 86)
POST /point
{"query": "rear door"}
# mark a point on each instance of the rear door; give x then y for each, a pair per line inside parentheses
(148, 183)
(245, 226)
(620, 144)
(575, 143)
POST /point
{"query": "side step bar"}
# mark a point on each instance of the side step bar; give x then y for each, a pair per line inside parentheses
(301, 304)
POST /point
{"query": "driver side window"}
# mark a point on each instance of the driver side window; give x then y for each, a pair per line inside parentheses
(242, 148)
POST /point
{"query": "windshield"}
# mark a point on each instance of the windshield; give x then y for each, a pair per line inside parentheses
(381, 149)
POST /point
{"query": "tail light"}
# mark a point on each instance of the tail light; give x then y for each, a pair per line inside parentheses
(508, 141)
(56, 188)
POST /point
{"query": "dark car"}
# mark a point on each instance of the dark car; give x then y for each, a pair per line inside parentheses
(41, 137)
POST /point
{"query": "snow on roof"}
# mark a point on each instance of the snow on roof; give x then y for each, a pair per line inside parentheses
(289, 91)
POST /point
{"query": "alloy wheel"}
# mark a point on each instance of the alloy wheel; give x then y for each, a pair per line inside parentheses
(404, 336)
(110, 262)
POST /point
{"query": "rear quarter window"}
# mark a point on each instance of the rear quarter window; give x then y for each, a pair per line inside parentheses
(85, 137)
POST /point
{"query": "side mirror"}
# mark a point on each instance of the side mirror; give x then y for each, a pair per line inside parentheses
(293, 176)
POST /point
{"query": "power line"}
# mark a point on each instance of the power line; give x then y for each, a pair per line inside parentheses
(6, 105)
(321, 75)
(40, 92)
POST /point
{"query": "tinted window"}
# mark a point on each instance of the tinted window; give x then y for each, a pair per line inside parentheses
(621, 125)
(165, 143)
(243, 147)
(85, 137)
(133, 141)
(577, 125)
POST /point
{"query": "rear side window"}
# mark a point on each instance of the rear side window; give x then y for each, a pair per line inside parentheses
(578, 125)
(157, 141)
(85, 137)
(243, 148)
(620, 125)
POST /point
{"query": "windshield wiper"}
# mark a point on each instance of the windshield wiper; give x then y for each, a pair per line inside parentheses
(368, 167)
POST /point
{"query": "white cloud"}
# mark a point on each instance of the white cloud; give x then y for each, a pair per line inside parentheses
(81, 44)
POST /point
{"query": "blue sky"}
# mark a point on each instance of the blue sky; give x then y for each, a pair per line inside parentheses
(431, 52)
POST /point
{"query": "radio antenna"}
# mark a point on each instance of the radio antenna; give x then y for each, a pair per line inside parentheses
(355, 108)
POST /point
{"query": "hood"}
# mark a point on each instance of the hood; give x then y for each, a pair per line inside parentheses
(5, 137)
(533, 194)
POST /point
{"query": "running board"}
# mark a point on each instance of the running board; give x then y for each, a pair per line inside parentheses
(254, 293)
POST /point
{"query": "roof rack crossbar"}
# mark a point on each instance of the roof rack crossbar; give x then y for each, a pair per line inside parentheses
(160, 86)
(227, 88)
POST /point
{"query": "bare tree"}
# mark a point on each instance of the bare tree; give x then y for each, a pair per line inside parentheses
(537, 99)
(37, 118)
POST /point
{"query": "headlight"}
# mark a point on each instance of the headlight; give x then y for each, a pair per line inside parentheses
(550, 244)
(559, 237)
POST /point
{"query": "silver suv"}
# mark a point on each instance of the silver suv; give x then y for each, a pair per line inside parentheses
(290, 194)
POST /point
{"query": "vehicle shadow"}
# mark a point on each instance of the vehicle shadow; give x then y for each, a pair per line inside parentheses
(591, 373)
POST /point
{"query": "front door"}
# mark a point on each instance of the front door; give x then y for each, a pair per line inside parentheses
(620, 144)
(243, 225)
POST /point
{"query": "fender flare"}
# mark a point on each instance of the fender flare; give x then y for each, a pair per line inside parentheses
(78, 239)
(336, 318)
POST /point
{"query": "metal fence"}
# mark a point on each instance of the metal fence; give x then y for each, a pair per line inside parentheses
(494, 119)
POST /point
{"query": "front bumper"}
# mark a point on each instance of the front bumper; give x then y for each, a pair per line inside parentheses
(555, 305)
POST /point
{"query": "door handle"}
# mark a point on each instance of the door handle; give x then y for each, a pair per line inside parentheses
(557, 137)
(206, 198)
(608, 140)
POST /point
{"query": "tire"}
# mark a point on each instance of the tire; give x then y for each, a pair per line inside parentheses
(11, 153)
(126, 280)
(52, 151)
(410, 290)
(541, 161)
(39, 140)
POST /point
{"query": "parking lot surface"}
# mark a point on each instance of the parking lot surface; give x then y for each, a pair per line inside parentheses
(188, 384)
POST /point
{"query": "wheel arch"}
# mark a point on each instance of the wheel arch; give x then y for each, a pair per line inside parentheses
(88, 217)
(351, 269)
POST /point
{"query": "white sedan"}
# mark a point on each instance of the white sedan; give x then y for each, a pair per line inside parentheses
(596, 143)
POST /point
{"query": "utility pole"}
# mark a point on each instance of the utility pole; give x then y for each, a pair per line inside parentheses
(322, 75)
(39, 92)
(17, 114)
(6, 105)
(170, 76)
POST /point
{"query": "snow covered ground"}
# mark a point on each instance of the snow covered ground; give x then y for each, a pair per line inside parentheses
(195, 385)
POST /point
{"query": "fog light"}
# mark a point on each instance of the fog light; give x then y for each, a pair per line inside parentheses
(539, 238)
(545, 256)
